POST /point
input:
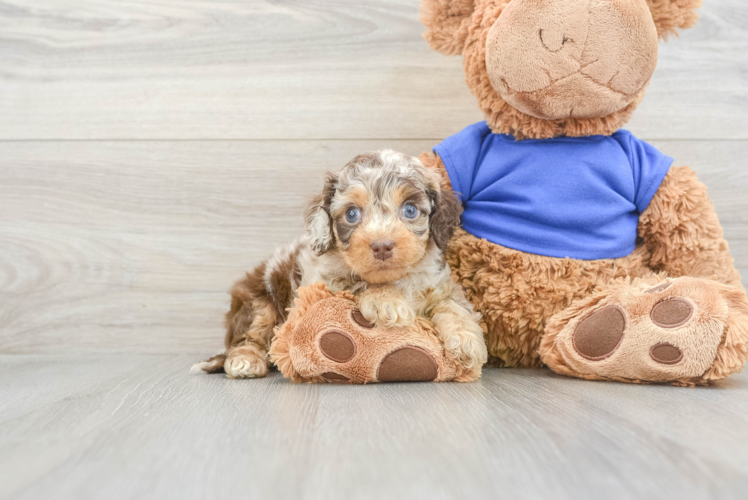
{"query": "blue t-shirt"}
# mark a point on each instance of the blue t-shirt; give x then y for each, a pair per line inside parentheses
(563, 197)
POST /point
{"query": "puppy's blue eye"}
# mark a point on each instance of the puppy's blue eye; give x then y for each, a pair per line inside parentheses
(410, 211)
(352, 215)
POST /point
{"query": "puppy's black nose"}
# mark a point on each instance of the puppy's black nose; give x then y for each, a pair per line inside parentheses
(382, 249)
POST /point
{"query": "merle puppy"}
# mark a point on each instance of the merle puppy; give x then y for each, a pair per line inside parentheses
(378, 229)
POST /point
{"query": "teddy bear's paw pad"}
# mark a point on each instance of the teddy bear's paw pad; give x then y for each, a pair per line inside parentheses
(598, 335)
(671, 313)
(360, 320)
(665, 353)
(337, 345)
(408, 364)
(335, 378)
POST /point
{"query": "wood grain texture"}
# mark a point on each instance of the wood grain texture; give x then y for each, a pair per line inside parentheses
(132, 246)
(139, 427)
(301, 69)
(150, 152)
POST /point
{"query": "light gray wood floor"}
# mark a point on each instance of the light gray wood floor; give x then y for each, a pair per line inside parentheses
(150, 152)
(139, 426)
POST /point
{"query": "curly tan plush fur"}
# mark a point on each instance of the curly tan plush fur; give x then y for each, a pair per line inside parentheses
(448, 21)
(681, 229)
(671, 15)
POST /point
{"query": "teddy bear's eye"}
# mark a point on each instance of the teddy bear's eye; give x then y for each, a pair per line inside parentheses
(410, 211)
(352, 215)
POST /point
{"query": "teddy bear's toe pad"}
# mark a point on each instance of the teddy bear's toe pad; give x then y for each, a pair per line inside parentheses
(408, 363)
(666, 353)
(337, 345)
(671, 313)
(360, 320)
(598, 335)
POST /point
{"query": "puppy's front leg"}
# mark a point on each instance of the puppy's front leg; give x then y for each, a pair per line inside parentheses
(461, 335)
(386, 306)
(458, 329)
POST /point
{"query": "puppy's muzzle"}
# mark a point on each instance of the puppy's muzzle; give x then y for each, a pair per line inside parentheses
(382, 249)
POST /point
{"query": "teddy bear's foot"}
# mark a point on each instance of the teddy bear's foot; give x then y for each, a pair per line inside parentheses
(404, 364)
(355, 351)
(328, 339)
(666, 332)
(386, 358)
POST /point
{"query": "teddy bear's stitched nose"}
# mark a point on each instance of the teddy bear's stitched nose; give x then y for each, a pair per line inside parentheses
(553, 42)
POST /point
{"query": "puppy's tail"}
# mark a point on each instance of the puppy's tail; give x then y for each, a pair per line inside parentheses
(212, 365)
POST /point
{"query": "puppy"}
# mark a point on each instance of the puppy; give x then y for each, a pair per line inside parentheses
(378, 229)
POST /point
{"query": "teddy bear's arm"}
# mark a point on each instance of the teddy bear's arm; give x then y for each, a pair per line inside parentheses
(432, 161)
(681, 229)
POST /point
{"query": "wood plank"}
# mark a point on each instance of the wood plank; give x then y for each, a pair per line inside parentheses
(254, 69)
(134, 246)
(119, 246)
(138, 426)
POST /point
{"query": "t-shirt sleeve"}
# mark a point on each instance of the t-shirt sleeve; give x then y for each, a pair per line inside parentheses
(460, 154)
(649, 167)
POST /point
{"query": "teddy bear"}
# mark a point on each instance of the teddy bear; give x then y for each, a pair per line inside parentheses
(585, 249)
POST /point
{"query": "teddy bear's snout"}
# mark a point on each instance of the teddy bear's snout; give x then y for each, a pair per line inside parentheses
(554, 40)
(555, 59)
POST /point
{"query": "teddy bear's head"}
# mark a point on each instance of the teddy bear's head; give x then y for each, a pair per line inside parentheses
(548, 68)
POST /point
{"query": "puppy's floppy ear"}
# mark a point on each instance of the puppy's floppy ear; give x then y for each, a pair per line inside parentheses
(446, 24)
(671, 15)
(317, 216)
(445, 214)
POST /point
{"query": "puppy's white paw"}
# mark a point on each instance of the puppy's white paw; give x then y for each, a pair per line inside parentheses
(385, 312)
(245, 364)
(466, 345)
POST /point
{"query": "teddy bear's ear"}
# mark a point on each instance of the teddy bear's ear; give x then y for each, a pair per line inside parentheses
(671, 15)
(446, 24)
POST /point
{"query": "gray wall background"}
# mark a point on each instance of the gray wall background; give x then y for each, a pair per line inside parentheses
(150, 152)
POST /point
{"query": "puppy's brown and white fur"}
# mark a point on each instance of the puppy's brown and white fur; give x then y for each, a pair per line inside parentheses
(378, 229)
